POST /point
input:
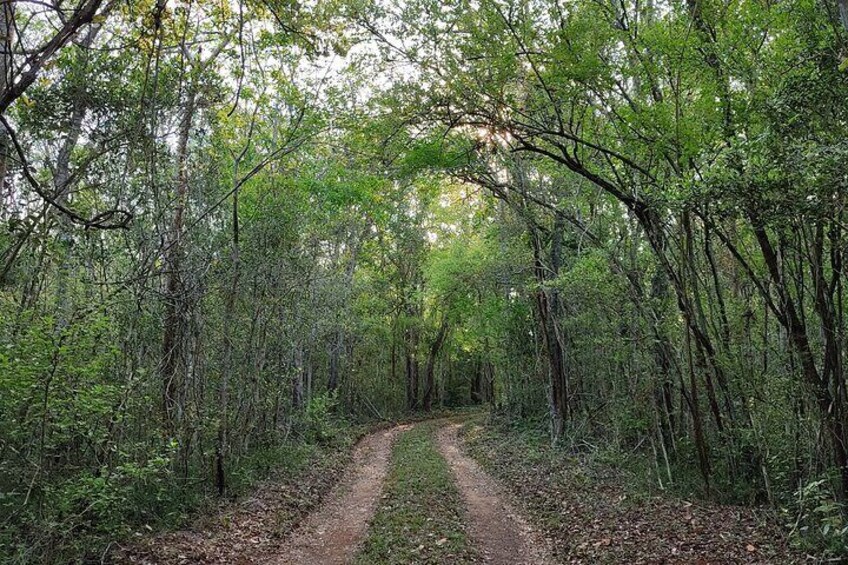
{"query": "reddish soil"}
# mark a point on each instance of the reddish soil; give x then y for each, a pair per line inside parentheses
(332, 534)
(501, 534)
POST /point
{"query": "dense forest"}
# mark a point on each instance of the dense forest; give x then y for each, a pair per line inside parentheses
(228, 226)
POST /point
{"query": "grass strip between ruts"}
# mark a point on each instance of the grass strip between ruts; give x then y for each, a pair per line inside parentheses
(420, 518)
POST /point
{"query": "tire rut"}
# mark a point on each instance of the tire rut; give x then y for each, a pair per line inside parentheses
(332, 534)
(501, 534)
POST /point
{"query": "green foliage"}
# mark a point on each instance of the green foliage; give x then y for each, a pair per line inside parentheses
(322, 422)
(817, 518)
(108, 501)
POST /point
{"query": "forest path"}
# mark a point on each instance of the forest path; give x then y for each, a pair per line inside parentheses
(500, 533)
(331, 534)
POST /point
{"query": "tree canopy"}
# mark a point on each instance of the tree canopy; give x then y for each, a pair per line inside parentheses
(224, 221)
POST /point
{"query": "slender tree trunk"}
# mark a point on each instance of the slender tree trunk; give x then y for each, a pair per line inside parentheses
(336, 348)
(411, 369)
(477, 382)
(663, 355)
(796, 329)
(173, 338)
(694, 405)
(221, 446)
(297, 378)
(547, 306)
(61, 190)
(429, 374)
(37, 60)
(7, 43)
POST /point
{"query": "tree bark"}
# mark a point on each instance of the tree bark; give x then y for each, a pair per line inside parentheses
(7, 58)
(411, 339)
(694, 406)
(429, 373)
(547, 307)
(173, 336)
(221, 445)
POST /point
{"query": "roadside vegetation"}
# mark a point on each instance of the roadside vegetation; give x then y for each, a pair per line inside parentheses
(130, 518)
(595, 505)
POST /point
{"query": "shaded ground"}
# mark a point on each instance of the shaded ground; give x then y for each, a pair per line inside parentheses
(331, 535)
(592, 518)
(250, 530)
(502, 536)
(424, 495)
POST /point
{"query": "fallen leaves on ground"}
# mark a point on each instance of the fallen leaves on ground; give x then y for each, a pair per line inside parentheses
(591, 517)
(242, 532)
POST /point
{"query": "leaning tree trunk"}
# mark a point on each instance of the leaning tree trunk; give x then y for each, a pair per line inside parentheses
(701, 445)
(38, 60)
(830, 406)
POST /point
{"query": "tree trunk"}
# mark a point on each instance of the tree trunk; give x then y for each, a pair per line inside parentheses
(297, 378)
(789, 318)
(429, 374)
(477, 382)
(221, 445)
(335, 360)
(7, 43)
(694, 405)
(173, 338)
(37, 60)
(547, 306)
(663, 356)
(411, 370)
